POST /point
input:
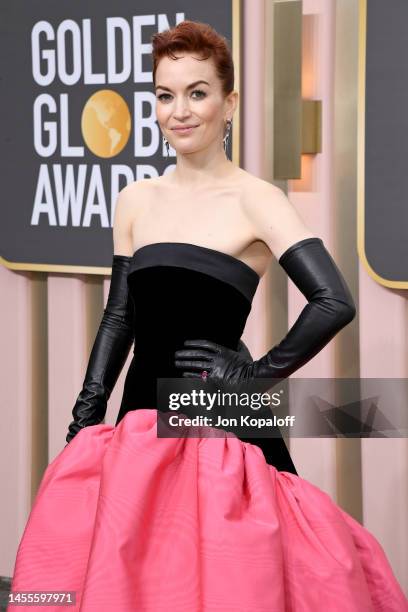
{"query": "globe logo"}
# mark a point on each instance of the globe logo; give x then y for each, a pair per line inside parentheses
(106, 123)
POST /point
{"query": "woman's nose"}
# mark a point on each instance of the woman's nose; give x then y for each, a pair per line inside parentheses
(182, 108)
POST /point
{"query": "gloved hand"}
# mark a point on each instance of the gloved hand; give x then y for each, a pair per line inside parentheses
(244, 351)
(330, 308)
(109, 352)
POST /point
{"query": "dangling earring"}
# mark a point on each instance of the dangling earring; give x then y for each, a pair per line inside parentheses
(166, 142)
(227, 135)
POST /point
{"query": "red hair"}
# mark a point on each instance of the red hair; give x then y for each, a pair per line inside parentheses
(200, 38)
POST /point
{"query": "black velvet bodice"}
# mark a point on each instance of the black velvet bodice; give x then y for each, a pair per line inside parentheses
(184, 291)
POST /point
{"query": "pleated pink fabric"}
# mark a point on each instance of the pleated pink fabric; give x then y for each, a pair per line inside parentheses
(133, 522)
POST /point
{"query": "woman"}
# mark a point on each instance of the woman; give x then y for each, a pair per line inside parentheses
(131, 521)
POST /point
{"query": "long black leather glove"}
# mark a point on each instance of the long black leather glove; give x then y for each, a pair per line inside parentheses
(330, 308)
(243, 350)
(109, 352)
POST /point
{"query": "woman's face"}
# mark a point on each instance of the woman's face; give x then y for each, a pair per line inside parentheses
(188, 93)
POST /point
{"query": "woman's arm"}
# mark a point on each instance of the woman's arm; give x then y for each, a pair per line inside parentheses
(312, 269)
(330, 307)
(274, 219)
(115, 334)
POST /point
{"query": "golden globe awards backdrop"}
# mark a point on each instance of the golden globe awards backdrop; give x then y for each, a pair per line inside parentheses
(78, 121)
(383, 141)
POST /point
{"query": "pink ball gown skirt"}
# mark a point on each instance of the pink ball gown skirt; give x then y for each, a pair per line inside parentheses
(133, 522)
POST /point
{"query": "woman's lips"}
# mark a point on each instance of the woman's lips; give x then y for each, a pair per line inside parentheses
(185, 130)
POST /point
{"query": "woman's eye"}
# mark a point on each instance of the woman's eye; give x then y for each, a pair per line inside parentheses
(162, 96)
(201, 93)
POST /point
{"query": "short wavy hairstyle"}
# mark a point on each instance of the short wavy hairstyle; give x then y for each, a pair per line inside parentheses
(200, 38)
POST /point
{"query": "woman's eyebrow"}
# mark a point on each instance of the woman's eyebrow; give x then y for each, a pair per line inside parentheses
(188, 86)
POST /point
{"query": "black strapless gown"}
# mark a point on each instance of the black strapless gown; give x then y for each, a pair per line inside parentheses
(127, 521)
(183, 291)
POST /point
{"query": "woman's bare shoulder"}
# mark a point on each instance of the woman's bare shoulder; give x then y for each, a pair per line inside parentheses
(129, 201)
(133, 197)
(260, 196)
(274, 218)
(251, 181)
(134, 188)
